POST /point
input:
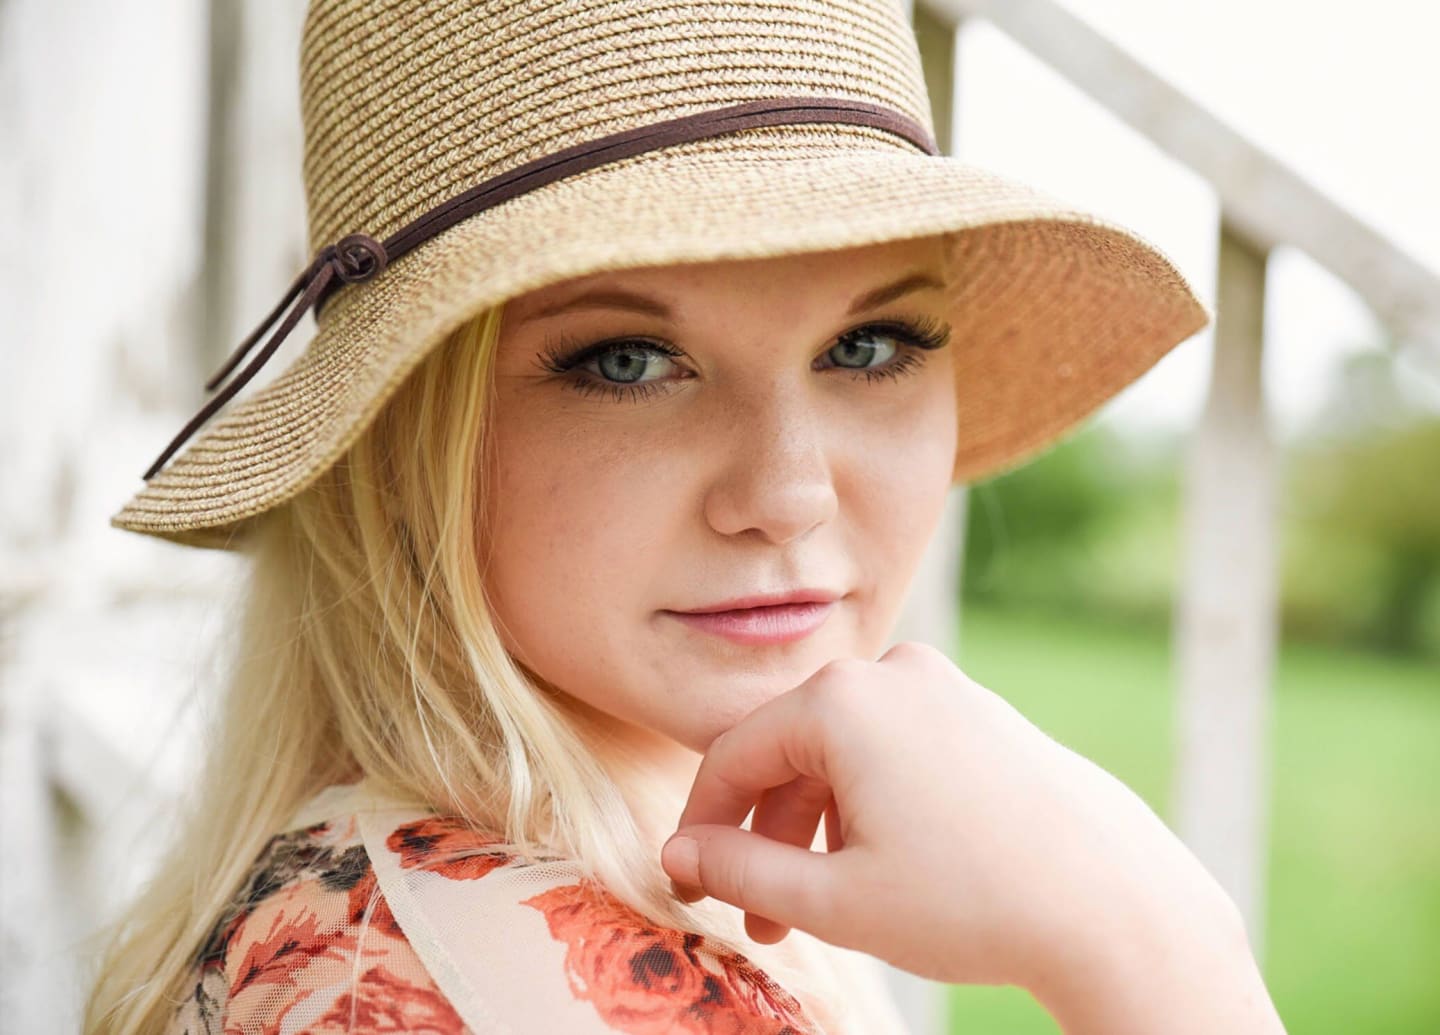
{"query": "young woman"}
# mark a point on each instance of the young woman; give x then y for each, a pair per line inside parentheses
(652, 337)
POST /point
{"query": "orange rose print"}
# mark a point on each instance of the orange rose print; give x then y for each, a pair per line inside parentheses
(647, 980)
(383, 1002)
(364, 891)
(290, 944)
(295, 950)
(445, 845)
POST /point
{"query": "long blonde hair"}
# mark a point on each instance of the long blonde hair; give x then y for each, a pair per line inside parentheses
(367, 648)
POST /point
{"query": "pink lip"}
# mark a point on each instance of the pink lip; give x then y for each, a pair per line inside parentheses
(765, 623)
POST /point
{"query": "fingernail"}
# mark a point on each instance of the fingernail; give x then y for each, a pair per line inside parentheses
(681, 859)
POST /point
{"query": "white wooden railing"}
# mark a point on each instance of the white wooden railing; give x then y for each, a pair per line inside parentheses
(100, 659)
(1226, 620)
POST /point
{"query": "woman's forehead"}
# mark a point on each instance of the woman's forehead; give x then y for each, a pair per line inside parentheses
(852, 273)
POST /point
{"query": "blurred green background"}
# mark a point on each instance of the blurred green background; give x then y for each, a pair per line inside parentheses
(1079, 552)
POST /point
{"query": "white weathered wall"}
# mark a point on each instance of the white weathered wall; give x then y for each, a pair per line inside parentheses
(103, 183)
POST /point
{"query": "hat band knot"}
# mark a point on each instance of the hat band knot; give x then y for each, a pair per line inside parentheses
(360, 257)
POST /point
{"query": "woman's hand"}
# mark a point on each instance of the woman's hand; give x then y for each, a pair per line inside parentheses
(965, 845)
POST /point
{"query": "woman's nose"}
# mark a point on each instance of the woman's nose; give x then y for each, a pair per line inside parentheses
(775, 478)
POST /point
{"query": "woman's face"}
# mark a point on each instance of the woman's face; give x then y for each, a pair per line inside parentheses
(756, 428)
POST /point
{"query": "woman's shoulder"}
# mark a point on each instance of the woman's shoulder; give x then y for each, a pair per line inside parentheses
(309, 943)
(373, 916)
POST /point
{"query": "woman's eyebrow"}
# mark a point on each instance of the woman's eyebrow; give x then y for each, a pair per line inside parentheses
(915, 281)
(604, 298)
(615, 298)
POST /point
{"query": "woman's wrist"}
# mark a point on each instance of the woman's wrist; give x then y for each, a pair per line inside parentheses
(1179, 973)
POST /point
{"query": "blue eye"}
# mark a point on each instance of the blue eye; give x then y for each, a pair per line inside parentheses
(857, 350)
(616, 366)
(627, 365)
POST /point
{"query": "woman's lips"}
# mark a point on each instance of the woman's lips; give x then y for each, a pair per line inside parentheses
(780, 623)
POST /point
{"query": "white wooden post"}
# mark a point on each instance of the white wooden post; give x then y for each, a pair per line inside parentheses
(1226, 624)
(932, 609)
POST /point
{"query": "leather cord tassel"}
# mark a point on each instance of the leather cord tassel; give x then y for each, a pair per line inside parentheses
(355, 258)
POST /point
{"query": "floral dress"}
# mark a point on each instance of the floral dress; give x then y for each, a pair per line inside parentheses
(369, 916)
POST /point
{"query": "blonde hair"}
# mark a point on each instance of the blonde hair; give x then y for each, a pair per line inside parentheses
(367, 648)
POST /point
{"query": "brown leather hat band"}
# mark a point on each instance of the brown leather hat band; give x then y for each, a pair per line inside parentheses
(359, 257)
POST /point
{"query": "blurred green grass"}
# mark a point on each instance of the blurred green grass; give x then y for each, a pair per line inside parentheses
(1352, 934)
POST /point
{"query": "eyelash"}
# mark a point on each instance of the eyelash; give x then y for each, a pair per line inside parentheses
(564, 356)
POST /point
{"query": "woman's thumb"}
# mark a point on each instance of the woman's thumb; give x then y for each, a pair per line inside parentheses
(785, 883)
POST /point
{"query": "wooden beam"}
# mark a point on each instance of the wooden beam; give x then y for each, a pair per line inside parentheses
(225, 170)
(1263, 199)
(254, 221)
(1226, 617)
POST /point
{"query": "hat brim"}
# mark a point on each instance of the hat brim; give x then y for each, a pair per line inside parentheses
(1054, 310)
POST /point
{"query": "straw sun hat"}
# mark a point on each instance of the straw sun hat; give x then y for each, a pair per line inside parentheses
(461, 152)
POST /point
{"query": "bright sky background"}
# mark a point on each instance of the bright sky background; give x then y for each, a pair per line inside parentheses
(1349, 97)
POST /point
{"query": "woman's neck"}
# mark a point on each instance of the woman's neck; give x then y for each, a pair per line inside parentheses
(653, 772)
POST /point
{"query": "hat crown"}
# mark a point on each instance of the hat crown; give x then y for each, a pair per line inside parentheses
(406, 105)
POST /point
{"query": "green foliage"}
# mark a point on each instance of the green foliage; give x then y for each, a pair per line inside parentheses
(1091, 524)
(1363, 550)
(1095, 525)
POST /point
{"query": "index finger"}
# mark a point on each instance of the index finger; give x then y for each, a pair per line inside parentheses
(771, 746)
